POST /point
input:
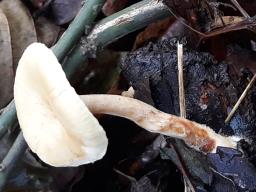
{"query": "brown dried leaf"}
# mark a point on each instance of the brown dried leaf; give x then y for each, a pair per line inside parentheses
(112, 6)
(38, 3)
(65, 10)
(6, 71)
(47, 31)
(153, 31)
(21, 26)
(225, 20)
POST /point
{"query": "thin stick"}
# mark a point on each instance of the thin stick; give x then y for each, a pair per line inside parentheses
(230, 115)
(195, 135)
(242, 11)
(182, 101)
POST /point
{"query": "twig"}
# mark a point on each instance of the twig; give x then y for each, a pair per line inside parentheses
(242, 11)
(77, 28)
(230, 115)
(182, 104)
(248, 23)
(187, 183)
(182, 101)
(10, 160)
(185, 24)
(221, 175)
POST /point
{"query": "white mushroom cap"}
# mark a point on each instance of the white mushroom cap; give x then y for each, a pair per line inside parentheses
(56, 124)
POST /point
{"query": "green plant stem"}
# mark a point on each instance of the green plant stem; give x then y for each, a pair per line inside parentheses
(8, 118)
(10, 160)
(113, 27)
(78, 27)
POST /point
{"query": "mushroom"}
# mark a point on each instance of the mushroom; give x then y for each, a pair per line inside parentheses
(55, 122)
(60, 129)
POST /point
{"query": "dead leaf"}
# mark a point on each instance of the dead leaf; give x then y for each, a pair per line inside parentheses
(6, 71)
(112, 6)
(38, 3)
(153, 31)
(65, 10)
(225, 20)
(47, 31)
(21, 25)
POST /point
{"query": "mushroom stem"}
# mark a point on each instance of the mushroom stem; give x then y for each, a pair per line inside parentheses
(195, 135)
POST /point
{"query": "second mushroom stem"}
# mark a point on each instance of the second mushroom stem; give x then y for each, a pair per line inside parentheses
(195, 135)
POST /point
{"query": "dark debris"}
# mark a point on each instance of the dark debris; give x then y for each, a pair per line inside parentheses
(210, 92)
